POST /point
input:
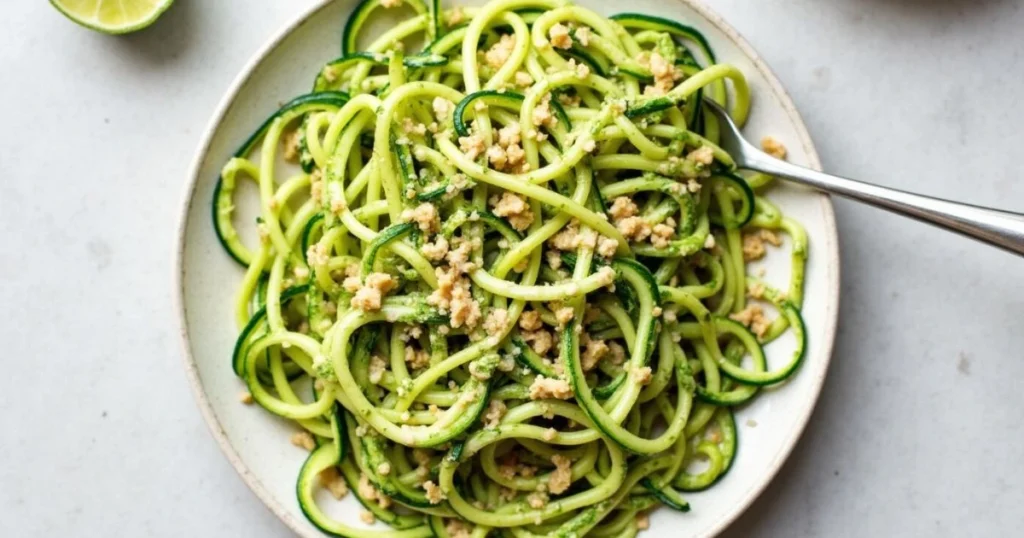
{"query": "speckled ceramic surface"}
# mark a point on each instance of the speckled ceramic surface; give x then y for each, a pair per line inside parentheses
(257, 443)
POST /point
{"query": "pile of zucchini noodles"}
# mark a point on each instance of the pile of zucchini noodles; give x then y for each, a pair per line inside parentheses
(466, 423)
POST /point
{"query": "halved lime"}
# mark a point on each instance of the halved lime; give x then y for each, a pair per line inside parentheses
(113, 16)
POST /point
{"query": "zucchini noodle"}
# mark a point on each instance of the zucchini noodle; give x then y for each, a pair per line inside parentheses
(506, 290)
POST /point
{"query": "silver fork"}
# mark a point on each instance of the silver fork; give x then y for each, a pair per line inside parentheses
(999, 228)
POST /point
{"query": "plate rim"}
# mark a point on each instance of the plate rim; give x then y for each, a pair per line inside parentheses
(830, 251)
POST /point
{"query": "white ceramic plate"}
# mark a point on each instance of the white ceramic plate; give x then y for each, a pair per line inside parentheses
(257, 444)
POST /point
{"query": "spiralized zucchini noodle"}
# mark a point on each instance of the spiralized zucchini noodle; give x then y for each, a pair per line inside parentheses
(506, 291)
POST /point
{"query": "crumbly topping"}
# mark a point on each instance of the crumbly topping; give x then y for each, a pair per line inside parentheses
(702, 155)
(581, 69)
(499, 53)
(554, 259)
(583, 35)
(530, 320)
(622, 207)
(540, 341)
(473, 145)
(435, 251)
(753, 317)
(543, 388)
(606, 246)
(458, 529)
(542, 114)
(367, 517)
(442, 108)
(642, 374)
(773, 147)
(665, 74)
(417, 358)
(410, 126)
(245, 397)
(561, 477)
(495, 410)
(593, 351)
(291, 145)
(434, 494)
(523, 79)
(563, 314)
(376, 369)
(304, 440)
(753, 247)
(661, 235)
(370, 294)
(642, 521)
(455, 16)
(709, 242)
(770, 237)
(514, 208)
(453, 292)
(567, 100)
(333, 482)
(559, 35)
(424, 215)
(388, 4)
(634, 228)
(537, 500)
(496, 321)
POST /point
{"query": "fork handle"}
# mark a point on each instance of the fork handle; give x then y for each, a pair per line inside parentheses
(1003, 229)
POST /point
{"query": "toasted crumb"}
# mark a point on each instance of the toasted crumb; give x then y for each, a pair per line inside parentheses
(245, 397)
(563, 314)
(634, 228)
(417, 358)
(496, 321)
(499, 53)
(559, 35)
(495, 410)
(304, 440)
(594, 351)
(542, 114)
(434, 494)
(435, 251)
(530, 320)
(291, 145)
(771, 237)
(369, 296)
(424, 215)
(622, 207)
(540, 341)
(537, 500)
(773, 147)
(642, 521)
(442, 108)
(665, 74)
(550, 434)
(661, 235)
(607, 247)
(702, 155)
(753, 247)
(751, 423)
(455, 16)
(581, 69)
(458, 529)
(709, 242)
(544, 387)
(561, 477)
(642, 374)
(514, 208)
(523, 79)
(376, 369)
(583, 35)
(388, 4)
(757, 290)
(568, 239)
(453, 292)
(693, 185)
(333, 482)
(753, 317)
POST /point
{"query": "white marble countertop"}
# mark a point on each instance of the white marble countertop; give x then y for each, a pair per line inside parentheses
(918, 429)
